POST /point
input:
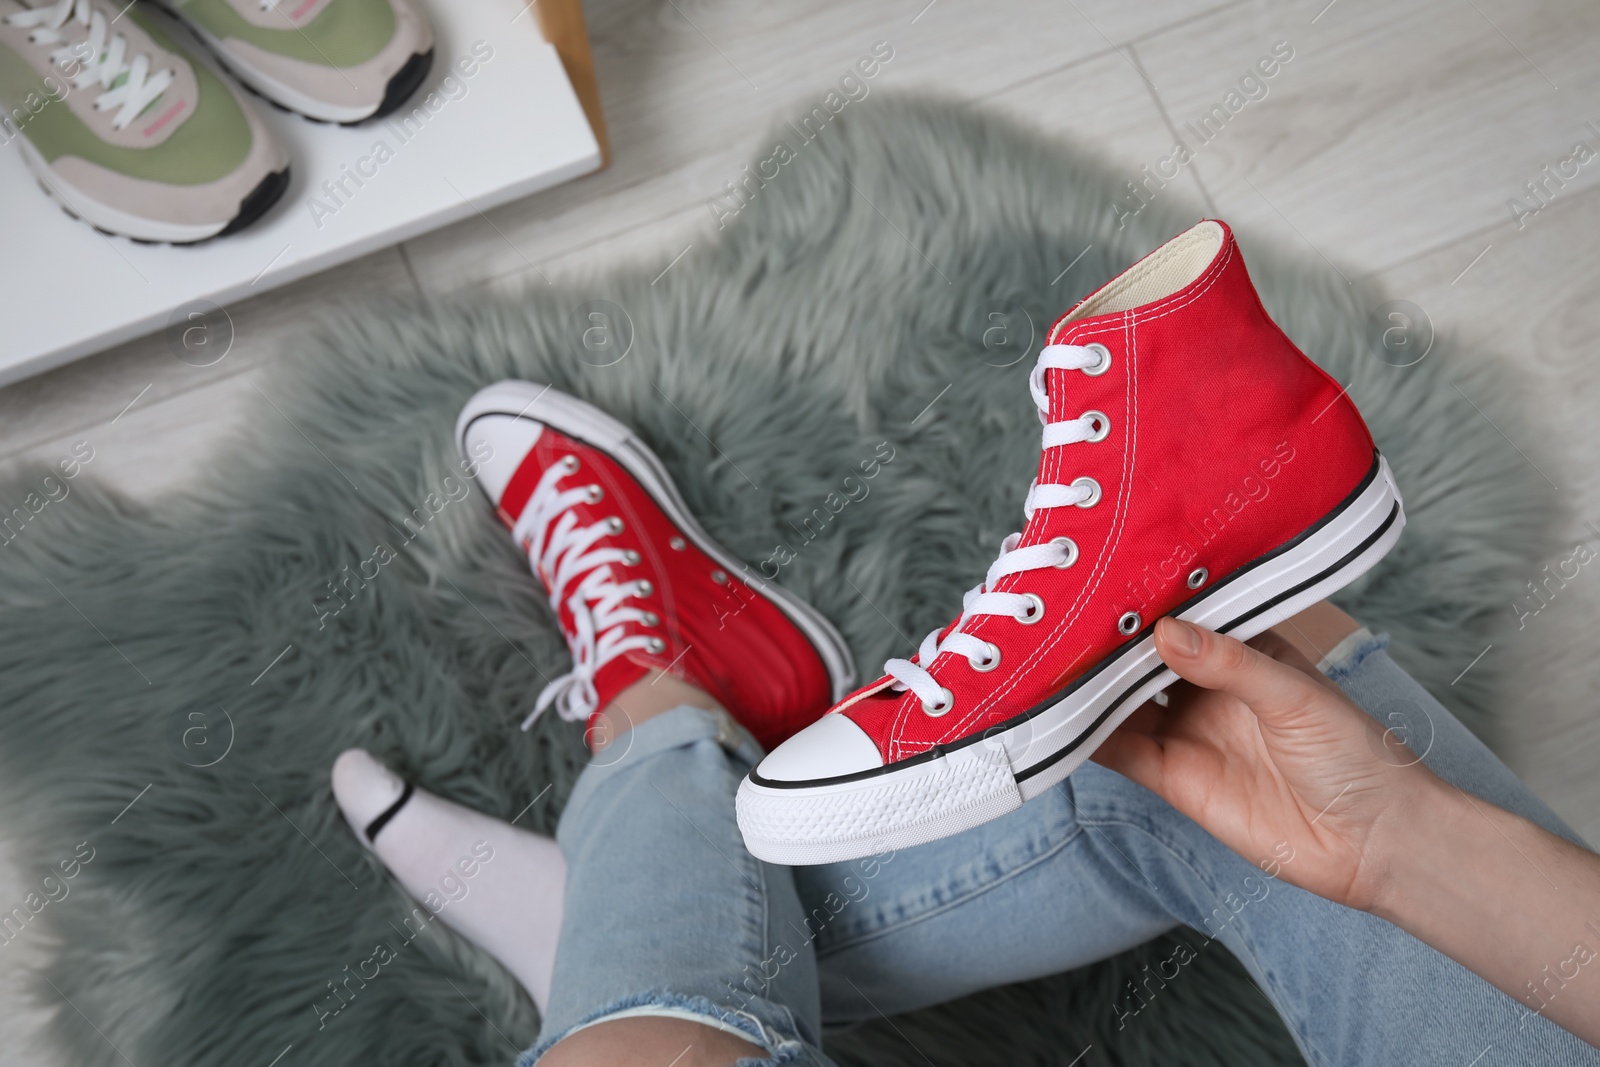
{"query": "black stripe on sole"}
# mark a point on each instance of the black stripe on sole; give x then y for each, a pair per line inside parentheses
(257, 202)
(405, 82)
(1346, 560)
(1055, 698)
(388, 813)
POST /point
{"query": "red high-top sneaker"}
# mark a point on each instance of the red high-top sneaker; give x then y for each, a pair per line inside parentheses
(635, 582)
(1194, 464)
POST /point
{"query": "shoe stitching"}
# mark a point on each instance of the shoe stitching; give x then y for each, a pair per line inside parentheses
(1158, 310)
(1144, 268)
(1118, 527)
(1131, 319)
(1277, 994)
(1102, 564)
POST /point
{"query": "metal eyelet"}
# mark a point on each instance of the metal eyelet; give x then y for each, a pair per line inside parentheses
(1130, 623)
(656, 646)
(630, 557)
(1069, 546)
(1035, 610)
(677, 544)
(947, 700)
(719, 576)
(643, 587)
(1094, 491)
(569, 463)
(1105, 360)
(1104, 423)
(651, 619)
(1197, 577)
(596, 494)
(988, 664)
(614, 525)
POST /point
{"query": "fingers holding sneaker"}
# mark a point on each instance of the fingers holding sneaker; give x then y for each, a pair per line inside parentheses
(1271, 759)
(1247, 671)
(1043, 661)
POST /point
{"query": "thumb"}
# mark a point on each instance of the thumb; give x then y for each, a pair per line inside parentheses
(1271, 689)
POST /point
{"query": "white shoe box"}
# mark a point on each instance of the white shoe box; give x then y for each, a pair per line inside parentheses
(496, 120)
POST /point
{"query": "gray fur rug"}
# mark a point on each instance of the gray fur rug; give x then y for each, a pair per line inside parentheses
(186, 653)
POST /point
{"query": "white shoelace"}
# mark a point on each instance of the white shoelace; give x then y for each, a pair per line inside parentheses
(106, 62)
(1061, 552)
(561, 550)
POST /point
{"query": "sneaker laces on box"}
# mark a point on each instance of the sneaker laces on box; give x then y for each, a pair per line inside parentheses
(128, 82)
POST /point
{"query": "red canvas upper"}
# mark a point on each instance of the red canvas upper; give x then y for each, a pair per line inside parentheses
(1225, 442)
(717, 633)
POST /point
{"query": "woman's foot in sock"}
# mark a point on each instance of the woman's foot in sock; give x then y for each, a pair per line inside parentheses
(498, 886)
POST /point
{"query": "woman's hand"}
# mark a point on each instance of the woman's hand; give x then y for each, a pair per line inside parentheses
(1262, 750)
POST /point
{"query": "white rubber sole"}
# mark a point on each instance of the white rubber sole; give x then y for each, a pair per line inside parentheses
(977, 780)
(81, 205)
(265, 85)
(281, 93)
(587, 423)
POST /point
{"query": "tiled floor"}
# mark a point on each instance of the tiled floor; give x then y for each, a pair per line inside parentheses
(1390, 140)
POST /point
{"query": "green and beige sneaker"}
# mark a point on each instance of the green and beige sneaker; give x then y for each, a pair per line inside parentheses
(342, 61)
(127, 131)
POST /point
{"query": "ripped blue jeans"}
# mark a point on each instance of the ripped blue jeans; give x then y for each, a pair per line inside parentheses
(668, 915)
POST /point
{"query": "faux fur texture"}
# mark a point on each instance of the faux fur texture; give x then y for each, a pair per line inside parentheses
(853, 291)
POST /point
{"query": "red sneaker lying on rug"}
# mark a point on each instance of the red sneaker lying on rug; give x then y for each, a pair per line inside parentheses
(634, 581)
(1194, 464)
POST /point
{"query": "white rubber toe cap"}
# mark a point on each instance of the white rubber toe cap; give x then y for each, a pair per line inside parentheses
(829, 747)
(364, 789)
(498, 444)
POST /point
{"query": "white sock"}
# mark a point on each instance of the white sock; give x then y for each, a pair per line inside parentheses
(499, 886)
